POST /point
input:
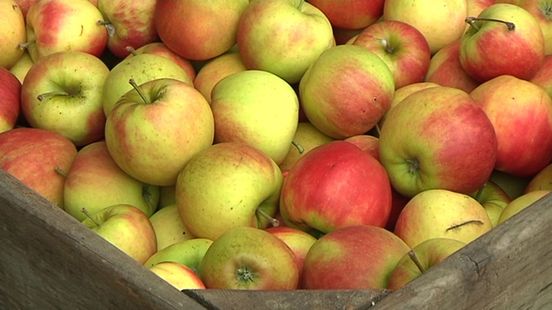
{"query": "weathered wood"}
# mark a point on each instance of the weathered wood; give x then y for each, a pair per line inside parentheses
(48, 260)
(509, 267)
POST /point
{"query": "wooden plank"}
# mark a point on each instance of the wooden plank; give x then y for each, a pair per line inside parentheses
(510, 267)
(49, 260)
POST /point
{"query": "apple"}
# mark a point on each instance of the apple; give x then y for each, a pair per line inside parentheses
(258, 108)
(493, 198)
(402, 47)
(64, 25)
(513, 185)
(445, 69)
(127, 228)
(306, 138)
(346, 91)
(168, 227)
(10, 102)
(12, 33)
(366, 143)
(142, 68)
(249, 258)
(440, 213)
(353, 257)
(95, 182)
(129, 23)
(227, 185)
(542, 11)
(156, 128)
(526, 147)
(179, 276)
(25, 5)
(403, 92)
(187, 252)
(540, 181)
(57, 96)
(475, 7)
(543, 77)
(498, 40)
(160, 49)
(335, 185)
(215, 70)
(350, 14)
(198, 29)
(440, 21)
(22, 66)
(420, 259)
(437, 138)
(283, 37)
(520, 203)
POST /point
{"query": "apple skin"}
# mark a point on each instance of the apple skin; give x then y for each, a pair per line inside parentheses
(437, 138)
(142, 68)
(187, 252)
(402, 47)
(258, 108)
(445, 69)
(429, 253)
(306, 138)
(197, 29)
(493, 198)
(179, 276)
(22, 66)
(482, 54)
(132, 22)
(64, 25)
(346, 91)
(520, 203)
(308, 197)
(441, 21)
(353, 257)
(72, 102)
(215, 70)
(286, 45)
(127, 228)
(39, 158)
(25, 5)
(540, 9)
(12, 33)
(543, 77)
(350, 14)
(225, 186)
(10, 102)
(168, 227)
(173, 110)
(95, 182)
(540, 181)
(439, 213)
(249, 258)
(366, 143)
(526, 148)
(403, 92)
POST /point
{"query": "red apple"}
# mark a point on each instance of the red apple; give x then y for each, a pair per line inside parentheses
(366, 143)
(543, 77)
(10, 102)
(541, 10)
(350, 14)
(178, 275)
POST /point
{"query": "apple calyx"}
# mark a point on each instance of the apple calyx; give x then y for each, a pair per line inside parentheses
(546, 10)
(85, 212)
(478, 222)
(273, 221)
(139, 91)
(298, 146)
(413, 166)
(108, 26)
(50, 95)
(471, 21)
(244, 274)
(131, 50)
(416, 261)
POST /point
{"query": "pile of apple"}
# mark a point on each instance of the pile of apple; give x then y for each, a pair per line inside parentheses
(280, 144)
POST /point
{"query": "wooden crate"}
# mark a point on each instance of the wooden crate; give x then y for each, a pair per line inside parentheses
(48, 260)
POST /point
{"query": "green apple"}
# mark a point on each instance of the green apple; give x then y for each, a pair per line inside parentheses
(22, 66)
(493, 198)
(95, 182)
(178, 275)
(228, 185)
(420, 259)
(57, 96)
(257, 108)
(142, 68)
(157, 127)
(439, 213)
(12, 33)
(127, 228)
(520, 203)
(187, 252)
(249, 258)
(168, 227)
(540, 181)
(215, 70)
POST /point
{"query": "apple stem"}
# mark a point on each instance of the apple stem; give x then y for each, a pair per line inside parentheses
(131, 50)
(478, 222)
(378, 129)
(138, 90)
(24, 45)
(416, 261)
(49, 95)
(388, 48)
(298, 146)
(300, 6)
(60, 171)
(274, 222)
(471, 21)
(108, 26)
(85, 212)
